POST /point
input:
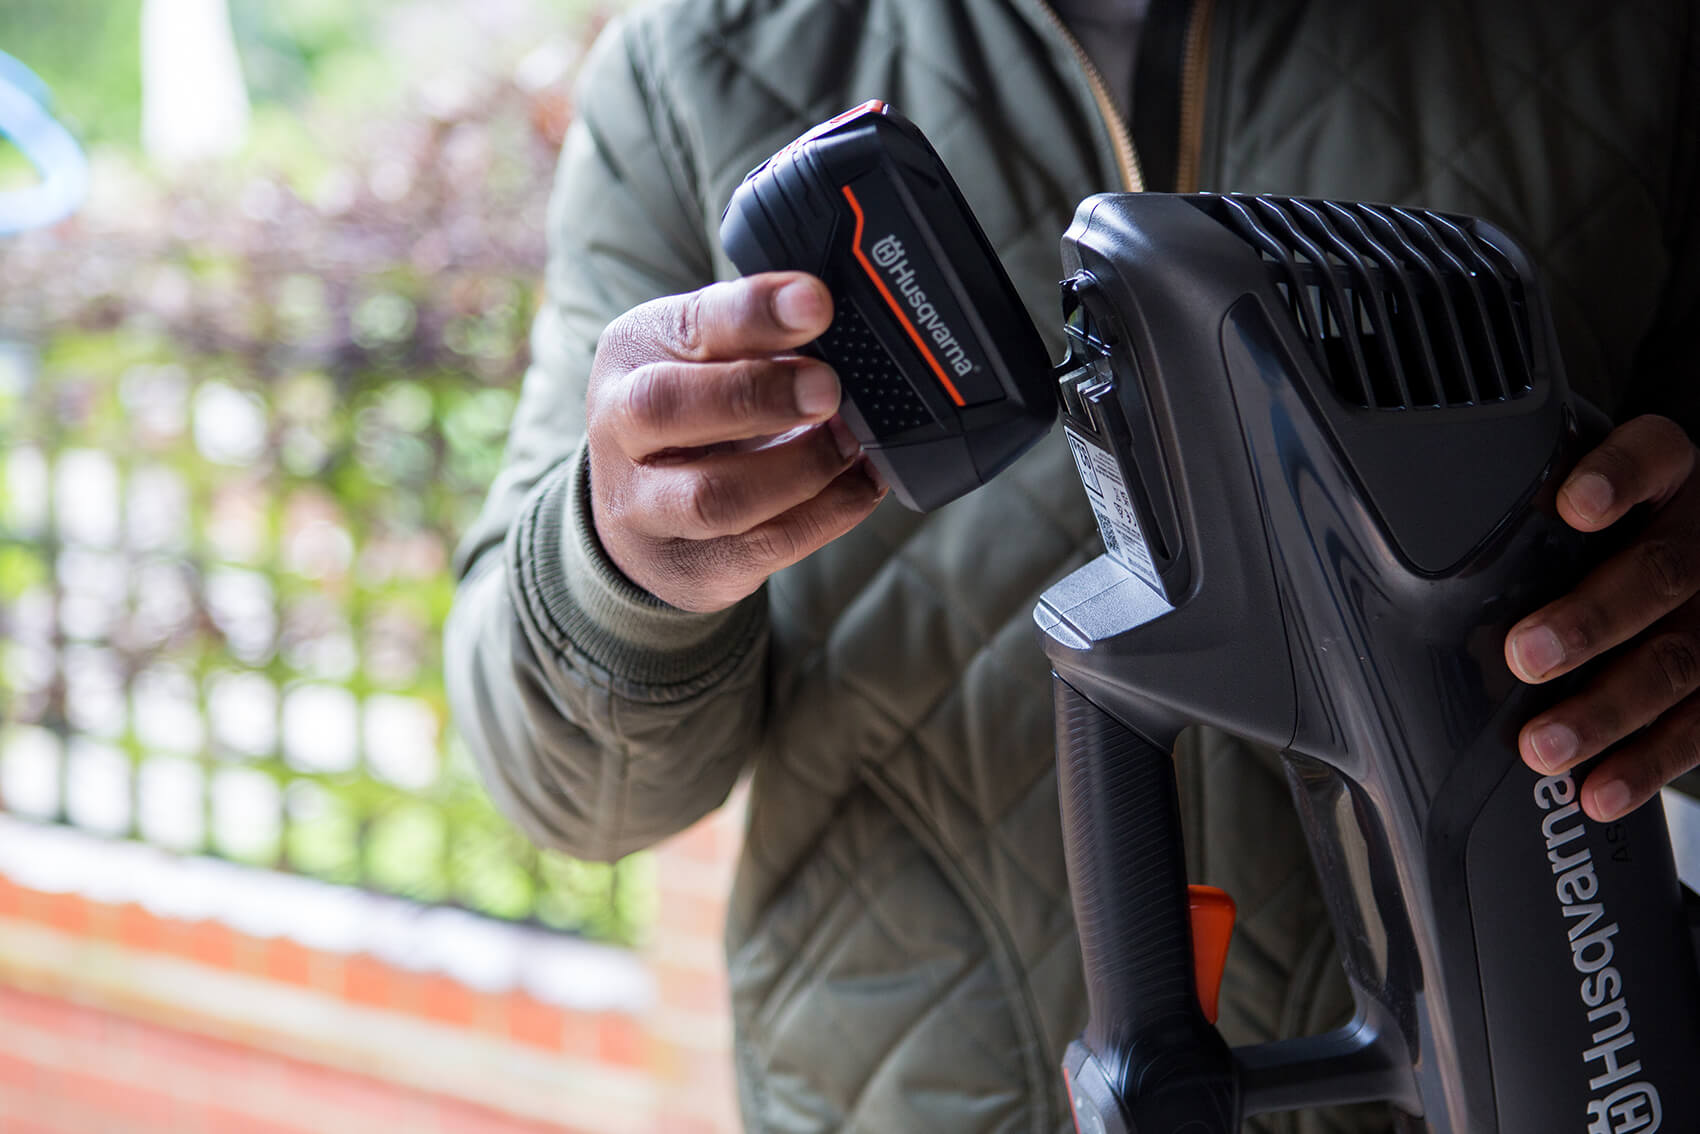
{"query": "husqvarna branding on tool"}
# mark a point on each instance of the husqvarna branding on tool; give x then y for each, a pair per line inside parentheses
(1631, 1109)
(1341, 427)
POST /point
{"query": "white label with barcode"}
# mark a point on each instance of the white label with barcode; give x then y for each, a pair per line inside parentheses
(1117, 521)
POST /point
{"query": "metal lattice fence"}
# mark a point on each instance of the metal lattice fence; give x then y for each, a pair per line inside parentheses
(242, 422)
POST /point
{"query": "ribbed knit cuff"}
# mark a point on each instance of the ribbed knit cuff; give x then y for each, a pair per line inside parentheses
(577, 596)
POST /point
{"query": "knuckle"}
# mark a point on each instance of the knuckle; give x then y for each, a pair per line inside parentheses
(1602, 724)
(651, 399)
(1671, 747)
(618, 335)
(775, 544)
(601, 408)
(744, 389)
(1662, 431)
(750, 302)
(688, 332)
(711, 503)
(1578, 628)
(811, 532)
(622, 345)
(1677, 656)
(1664, 567)
(1615, 460)
(1679, 753)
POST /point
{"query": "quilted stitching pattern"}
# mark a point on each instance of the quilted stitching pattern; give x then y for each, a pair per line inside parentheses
(1540, 125)
(830, 986)
(903, 953)
(922, 625)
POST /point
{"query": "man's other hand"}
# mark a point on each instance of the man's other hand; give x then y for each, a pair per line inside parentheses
(716, 453)
(1639, 606)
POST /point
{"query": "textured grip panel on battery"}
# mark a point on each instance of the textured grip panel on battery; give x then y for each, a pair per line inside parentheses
(1127, 876)
(873, 382)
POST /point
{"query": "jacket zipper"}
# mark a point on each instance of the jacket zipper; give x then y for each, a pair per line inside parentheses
(1121, 138)
(1193, 73)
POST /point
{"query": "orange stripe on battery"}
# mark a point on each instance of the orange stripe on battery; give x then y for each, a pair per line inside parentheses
(891, 300)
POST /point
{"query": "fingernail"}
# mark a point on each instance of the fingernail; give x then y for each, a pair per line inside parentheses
(1537, 651)
(816, 390)
(799, 305)
(1590, 494)
(1554, 745)
(846, 441)
(1612, 799)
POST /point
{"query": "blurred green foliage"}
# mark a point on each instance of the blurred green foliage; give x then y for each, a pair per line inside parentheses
(88, 52)
(317, 344)
(293, 53)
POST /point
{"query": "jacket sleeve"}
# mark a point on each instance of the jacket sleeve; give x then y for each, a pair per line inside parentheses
(1667, 370)
(601, 718)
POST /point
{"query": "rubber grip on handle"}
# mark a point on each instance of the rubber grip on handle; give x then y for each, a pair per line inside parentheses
(1127, 876)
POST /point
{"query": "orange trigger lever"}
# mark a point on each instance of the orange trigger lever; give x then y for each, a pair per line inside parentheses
(1212, 915)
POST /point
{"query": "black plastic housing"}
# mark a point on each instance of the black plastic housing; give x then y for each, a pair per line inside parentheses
(946, 380)
(1337, 431)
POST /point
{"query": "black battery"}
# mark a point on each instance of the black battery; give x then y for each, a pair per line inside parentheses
(945, 377)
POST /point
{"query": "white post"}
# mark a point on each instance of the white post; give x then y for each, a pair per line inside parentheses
(194, 100)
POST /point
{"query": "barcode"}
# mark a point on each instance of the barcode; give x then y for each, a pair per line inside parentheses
(1108, 531)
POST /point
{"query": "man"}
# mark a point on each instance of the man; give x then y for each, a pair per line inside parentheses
(684, 572)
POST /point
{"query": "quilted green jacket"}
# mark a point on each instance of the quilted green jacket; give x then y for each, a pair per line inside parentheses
(900, 940)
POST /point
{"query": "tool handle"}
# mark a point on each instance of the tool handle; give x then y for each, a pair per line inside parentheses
(1127, 877)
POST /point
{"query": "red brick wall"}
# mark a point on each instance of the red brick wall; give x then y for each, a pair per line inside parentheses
(113, 1019)
(64, 1067)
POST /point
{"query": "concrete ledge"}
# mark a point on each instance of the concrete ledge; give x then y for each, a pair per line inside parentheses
(480, 953)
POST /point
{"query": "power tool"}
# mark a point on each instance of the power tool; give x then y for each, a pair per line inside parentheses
(1322, 441)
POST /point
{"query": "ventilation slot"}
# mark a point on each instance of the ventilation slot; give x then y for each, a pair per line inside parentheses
(1402, 308)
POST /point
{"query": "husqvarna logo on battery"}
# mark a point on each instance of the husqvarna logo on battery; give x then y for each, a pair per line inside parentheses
(888, 252)
(1619, 1107)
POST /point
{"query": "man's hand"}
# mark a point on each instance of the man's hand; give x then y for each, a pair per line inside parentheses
(716, 457)
(1642, 600)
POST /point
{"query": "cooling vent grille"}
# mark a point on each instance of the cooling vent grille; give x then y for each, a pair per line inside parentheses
(1403, 309)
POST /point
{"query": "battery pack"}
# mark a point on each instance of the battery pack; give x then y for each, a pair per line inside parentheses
(945, 378)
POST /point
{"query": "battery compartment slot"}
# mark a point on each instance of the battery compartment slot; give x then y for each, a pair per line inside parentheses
(1103, 397)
